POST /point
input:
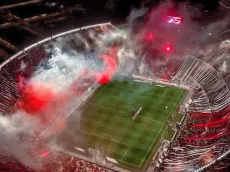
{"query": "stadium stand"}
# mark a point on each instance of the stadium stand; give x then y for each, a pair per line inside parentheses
(54, 162)
(213, 93)
(207, 124)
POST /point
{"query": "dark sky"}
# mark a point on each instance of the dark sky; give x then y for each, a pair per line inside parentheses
(122, 7)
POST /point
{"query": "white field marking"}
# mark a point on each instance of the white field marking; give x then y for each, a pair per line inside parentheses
(107, 136)
(159, 132)
(162, 98)
(121, 111)
(127, 144)
(99, 94)
(156, 96)
(112, 141)
(139, 116)
(147, 82)
(142, 117)
(101, 122)
(160, 85)
(152, 144)
(175, 103)
(150, 119)
(152, 131)
(115, 142)
(130, 163)
(139, 92)
(124, 143)
(125, 153)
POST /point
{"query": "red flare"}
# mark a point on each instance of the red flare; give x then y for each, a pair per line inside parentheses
(168, 48)
(36, 97)
(149, 36)
(111, 67)
(103, 79)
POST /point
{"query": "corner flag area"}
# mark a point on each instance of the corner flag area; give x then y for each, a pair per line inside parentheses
(107, 123)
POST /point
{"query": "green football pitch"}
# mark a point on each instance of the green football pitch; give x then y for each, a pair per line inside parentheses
(107, 119)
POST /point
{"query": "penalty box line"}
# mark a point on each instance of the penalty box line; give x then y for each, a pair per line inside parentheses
(121, 160)
(179, 97)
(148, 150)
(112, 141)
(129, 145)
(123, 86)
(138, 92)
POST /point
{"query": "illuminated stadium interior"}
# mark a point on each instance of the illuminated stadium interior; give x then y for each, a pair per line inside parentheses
(110, 121)
(100, 102)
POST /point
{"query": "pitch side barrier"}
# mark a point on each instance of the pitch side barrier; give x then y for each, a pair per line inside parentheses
(165, 82)
(51, 38)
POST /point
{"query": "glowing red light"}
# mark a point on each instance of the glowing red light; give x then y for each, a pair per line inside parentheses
(104, 79)
(150, 36)
(168, 48)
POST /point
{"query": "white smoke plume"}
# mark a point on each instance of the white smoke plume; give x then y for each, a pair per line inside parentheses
(14, 133)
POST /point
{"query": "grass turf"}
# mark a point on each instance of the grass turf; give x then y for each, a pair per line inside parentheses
(107, 124)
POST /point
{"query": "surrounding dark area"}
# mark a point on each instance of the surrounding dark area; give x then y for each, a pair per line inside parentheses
(23, 22)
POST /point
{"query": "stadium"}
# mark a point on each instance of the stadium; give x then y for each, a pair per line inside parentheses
(115, 117)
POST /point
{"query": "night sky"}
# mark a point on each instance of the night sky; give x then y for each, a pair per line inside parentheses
(122, 7)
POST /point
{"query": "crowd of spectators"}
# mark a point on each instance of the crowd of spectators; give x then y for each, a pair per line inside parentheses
(53, 162)
(205, 129)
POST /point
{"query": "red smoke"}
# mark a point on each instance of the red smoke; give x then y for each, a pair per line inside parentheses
(39, 101)
(42, 102)
(36, 98)
(111, 67)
